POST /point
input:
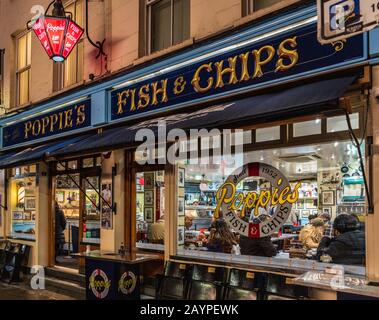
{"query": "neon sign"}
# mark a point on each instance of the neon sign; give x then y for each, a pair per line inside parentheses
(280, 197)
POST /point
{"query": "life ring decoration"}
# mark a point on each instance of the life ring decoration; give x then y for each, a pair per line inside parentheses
(127, 283)
(99, 284)
(280, 196)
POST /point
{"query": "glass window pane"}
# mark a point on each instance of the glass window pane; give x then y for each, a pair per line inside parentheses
(88, 163)
(23, 207)
(337, 124)
(21, 53)
(79, 14)
(23, 87)
(268, 134)
(160, 25)
(261, 4)
(181, 20)
(70, 69)
(73, 165)
(29, 49)
(307, 128)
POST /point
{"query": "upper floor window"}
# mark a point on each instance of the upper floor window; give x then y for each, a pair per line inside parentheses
(23, 68)
(2, 51)
(168, 23)
(71, 71)
(250, 6)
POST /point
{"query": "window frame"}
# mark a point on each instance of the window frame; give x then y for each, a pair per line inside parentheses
(2, 55)
(149, 4)
(59, 68)
(27, 67)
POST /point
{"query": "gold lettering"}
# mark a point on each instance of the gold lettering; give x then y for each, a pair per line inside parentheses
(270, 51)
(81, 117)
(245, 75)
(196, 79)
(45, 124)
(144, 97)
(28, 127)
(53, 121)
(162, 91)
(122, 101)
(68, 119)
(60, 120)
(35, 131)
(285, 53)
(179, 85)
(231, 70)
(222, 197)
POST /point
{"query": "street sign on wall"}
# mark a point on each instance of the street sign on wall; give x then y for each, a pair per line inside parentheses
(342, 19)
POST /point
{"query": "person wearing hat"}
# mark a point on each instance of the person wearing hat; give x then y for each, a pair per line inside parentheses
(348, 245)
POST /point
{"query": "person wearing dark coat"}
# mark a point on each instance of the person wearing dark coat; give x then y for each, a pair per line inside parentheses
(60, 227)
(260, 247)
(348, 245)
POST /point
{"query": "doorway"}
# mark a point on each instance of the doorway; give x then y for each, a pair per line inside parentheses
(76, 211)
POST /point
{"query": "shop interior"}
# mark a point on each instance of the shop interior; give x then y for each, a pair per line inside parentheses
(150, 209)
(331, 182)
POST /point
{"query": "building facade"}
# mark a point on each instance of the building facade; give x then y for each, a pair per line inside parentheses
(68, 130)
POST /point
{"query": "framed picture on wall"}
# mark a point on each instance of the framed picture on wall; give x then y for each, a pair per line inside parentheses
(149, 180)
(149, 197)
(299, 205)
(181, 207)
(181, 177)
(30, 203)
(18, 215)
(27, 216)
(60, 196)
(328, 198)
(327, 211)
(305, 213)
(181, 235)
(149, 214)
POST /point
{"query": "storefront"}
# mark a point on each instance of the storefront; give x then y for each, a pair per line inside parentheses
(298, 156)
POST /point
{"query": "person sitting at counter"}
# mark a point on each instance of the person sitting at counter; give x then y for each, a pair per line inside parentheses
(221, 238)
(348, 245)
(312, 234)
(156, 231)
(260, 247)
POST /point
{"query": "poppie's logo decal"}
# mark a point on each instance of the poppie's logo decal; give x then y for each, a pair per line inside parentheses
(280, 197)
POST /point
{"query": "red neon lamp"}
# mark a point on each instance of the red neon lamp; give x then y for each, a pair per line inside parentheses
(57, 33)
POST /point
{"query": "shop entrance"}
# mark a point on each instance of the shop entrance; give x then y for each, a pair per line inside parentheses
(76, 212)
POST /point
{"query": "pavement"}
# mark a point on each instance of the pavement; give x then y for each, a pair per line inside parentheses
(24, 292)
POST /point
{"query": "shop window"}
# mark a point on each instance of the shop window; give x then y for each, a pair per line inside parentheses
(71, 71)
(88, 163)
(169, 23)
(250, 6)
(337, 124)
(23, 203)
(72, 165)
(150, 210)
(329, 183)
(267, 134)
(91, 218)
(307, 128)
(23, 68)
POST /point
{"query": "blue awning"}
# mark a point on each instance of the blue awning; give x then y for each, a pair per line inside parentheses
(35, 154)
(312, 98)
